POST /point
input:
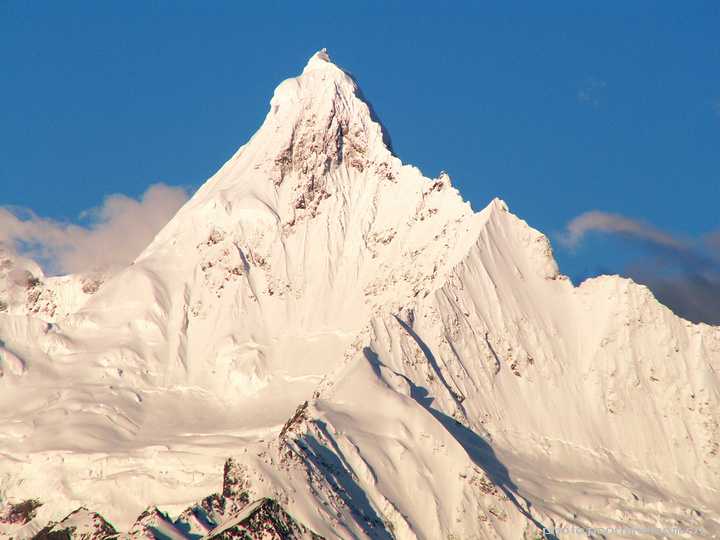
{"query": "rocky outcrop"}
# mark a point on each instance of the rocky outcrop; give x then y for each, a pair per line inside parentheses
(79, 525)
(264, 519)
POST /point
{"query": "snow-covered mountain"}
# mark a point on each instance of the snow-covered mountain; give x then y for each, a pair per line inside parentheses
(378, 360)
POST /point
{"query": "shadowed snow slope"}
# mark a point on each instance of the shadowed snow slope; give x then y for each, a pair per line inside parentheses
(443, 378)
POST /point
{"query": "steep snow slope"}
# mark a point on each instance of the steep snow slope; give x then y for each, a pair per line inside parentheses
(601, 403)
(441, 376)
(540, 403)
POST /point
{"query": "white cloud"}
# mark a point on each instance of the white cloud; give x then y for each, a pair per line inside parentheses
(119, 230)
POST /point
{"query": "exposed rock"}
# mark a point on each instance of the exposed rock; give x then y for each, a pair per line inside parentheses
(21, 512)
(235, 481)
(78, 525)
(153, 523)
(264, 519)
(200, 519)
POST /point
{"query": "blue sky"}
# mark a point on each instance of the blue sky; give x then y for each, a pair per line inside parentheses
(603, 117)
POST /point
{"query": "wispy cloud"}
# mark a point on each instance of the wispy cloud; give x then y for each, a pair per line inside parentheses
(118, 231)
(683, 273)
(596, 221)
(586, 93)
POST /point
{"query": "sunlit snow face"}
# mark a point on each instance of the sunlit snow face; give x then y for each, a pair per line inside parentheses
(355, 335)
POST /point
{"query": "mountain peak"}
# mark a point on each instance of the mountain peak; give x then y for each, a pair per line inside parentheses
(318, 61)
(318, 123)
(325, 99)
(321, 83)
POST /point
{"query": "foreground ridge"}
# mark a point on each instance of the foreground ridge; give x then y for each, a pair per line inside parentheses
(216, 517)
(376, 359)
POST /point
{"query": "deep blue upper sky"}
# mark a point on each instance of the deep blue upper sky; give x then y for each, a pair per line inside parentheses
(558, 108)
